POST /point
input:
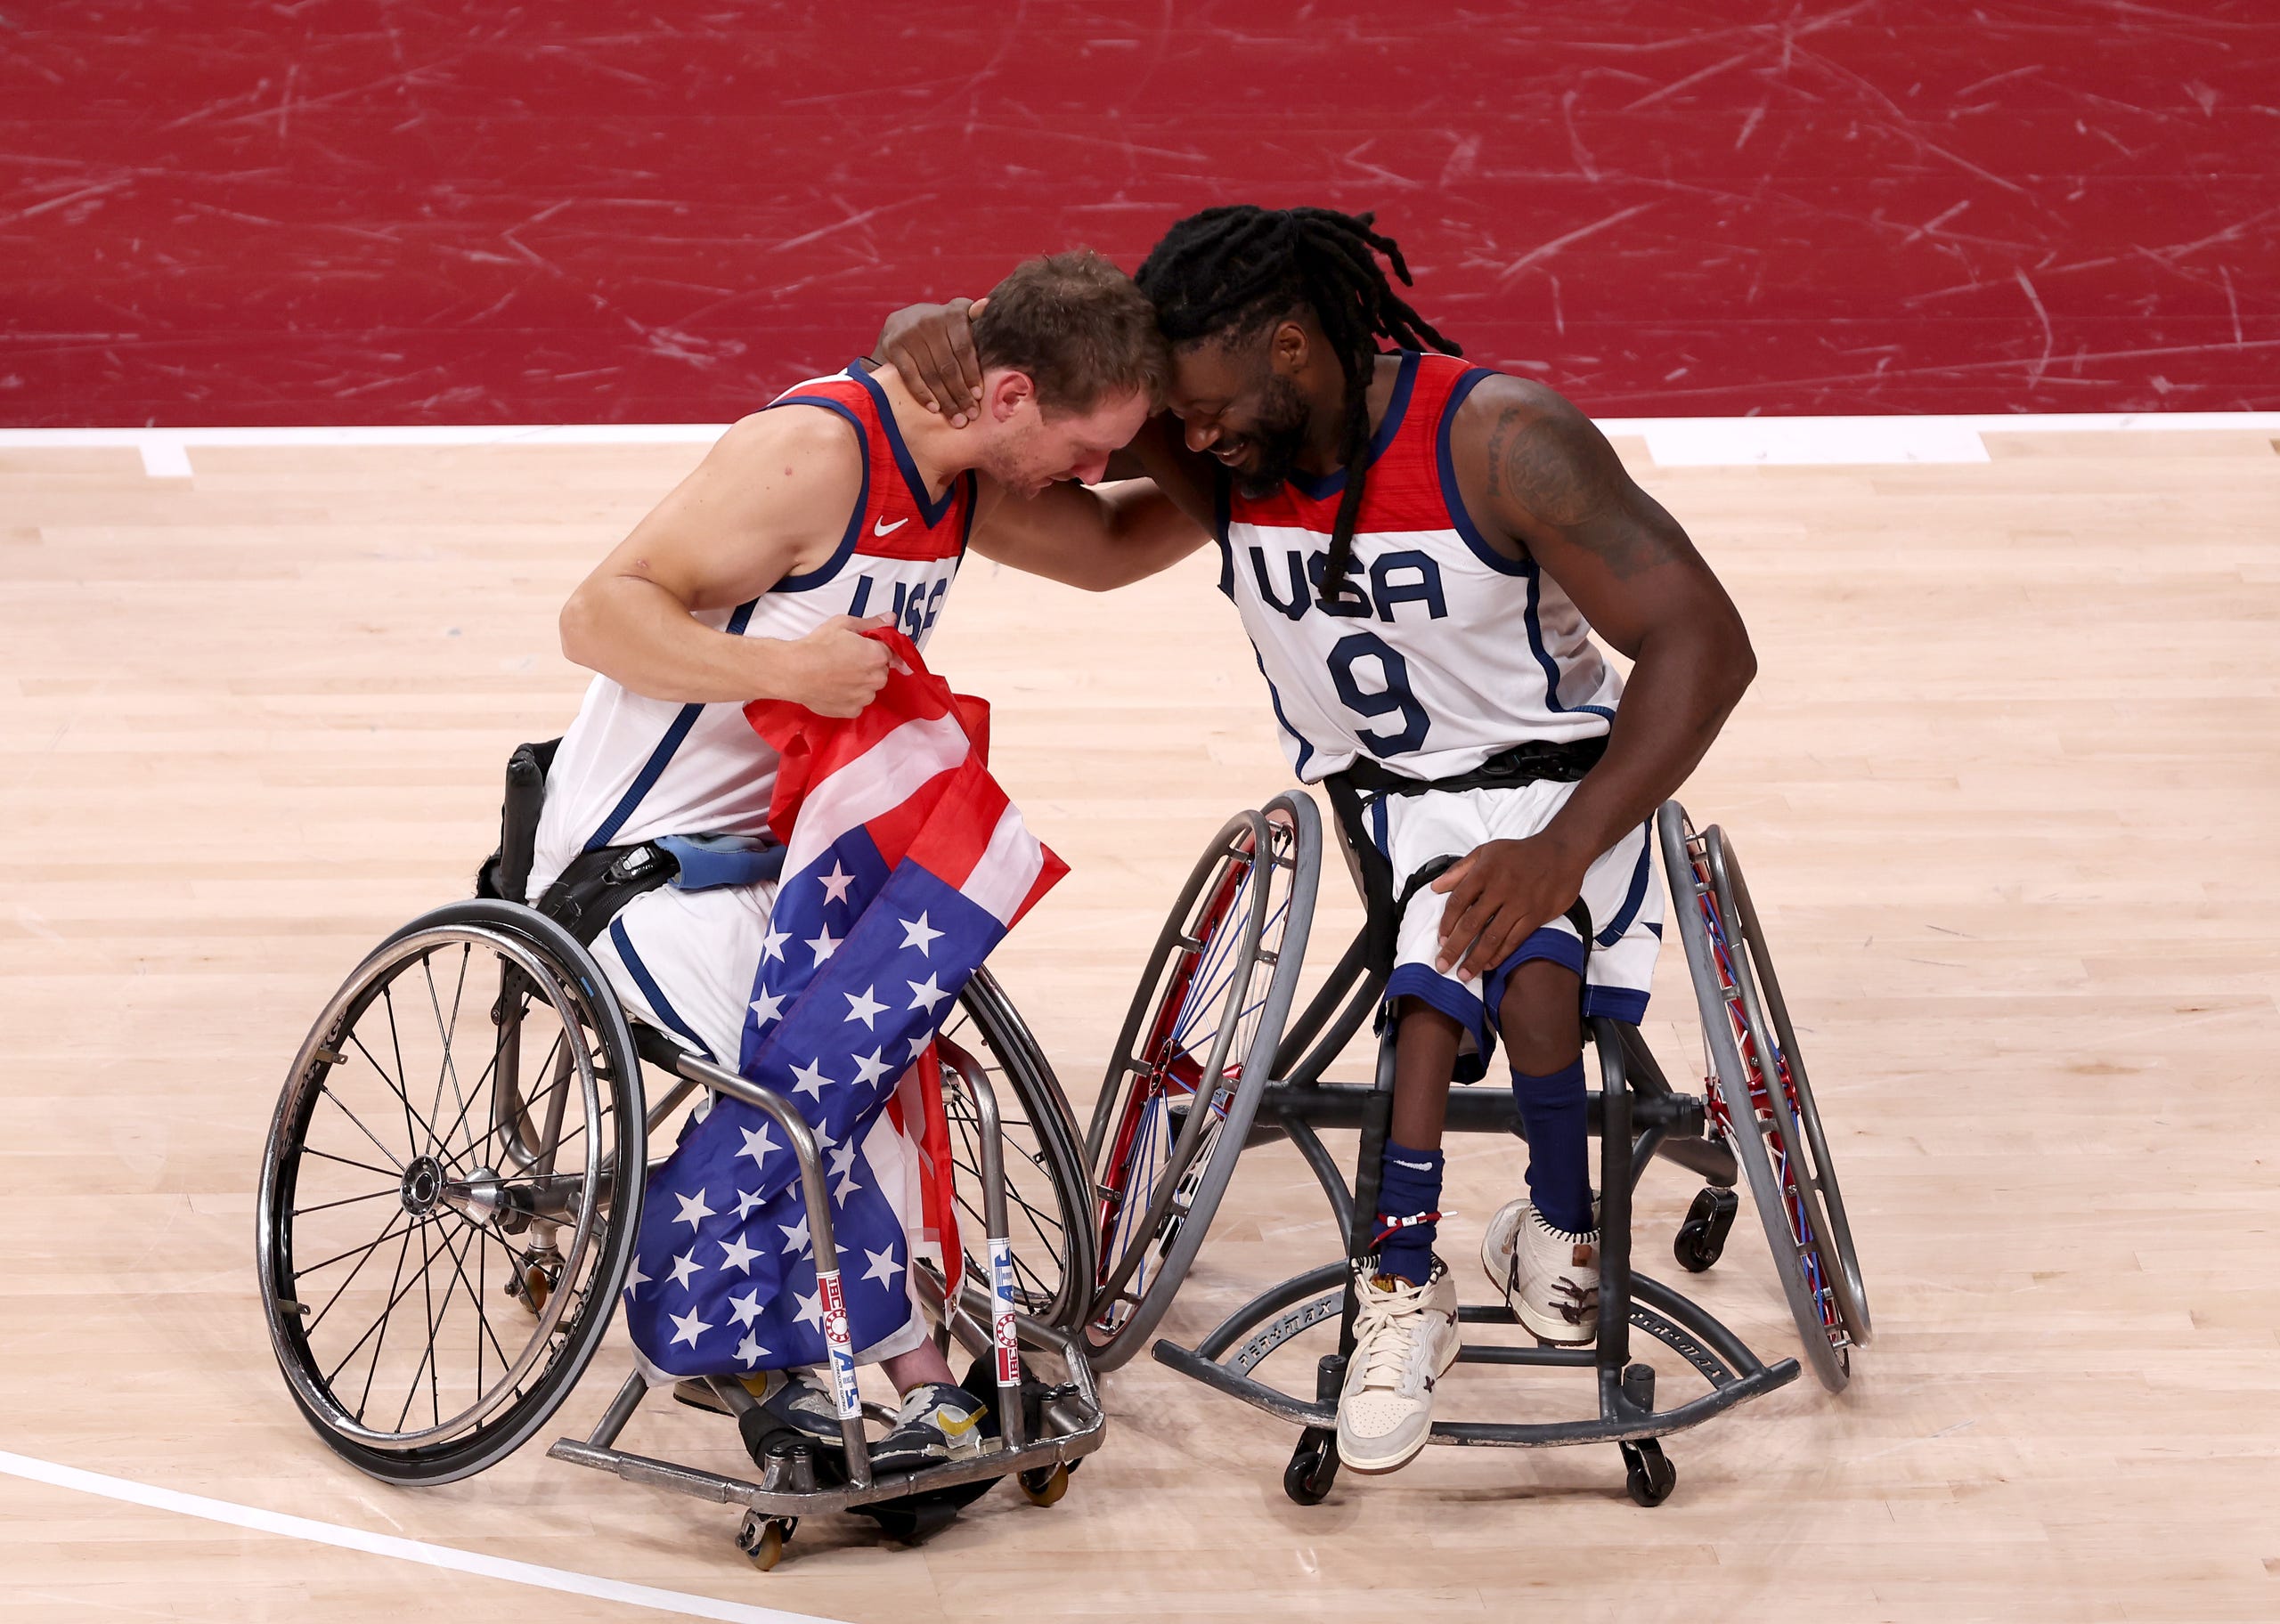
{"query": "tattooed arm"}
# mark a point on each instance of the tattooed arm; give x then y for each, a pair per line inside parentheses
(1540, 481)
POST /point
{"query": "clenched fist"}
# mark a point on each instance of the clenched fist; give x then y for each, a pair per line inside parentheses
(835, 670)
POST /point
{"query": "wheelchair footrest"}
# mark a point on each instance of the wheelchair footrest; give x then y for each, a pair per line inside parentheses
(1224, 1360)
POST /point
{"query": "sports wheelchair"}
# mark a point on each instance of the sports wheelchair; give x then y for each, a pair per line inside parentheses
(496, 1120)
(1204, 1070)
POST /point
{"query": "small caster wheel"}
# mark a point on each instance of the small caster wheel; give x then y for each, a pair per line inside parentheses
(1701, 1238)
(1647, 1473)
(761, 1539)
(1313, 1468)
(1045, 1485)
(533, 1282)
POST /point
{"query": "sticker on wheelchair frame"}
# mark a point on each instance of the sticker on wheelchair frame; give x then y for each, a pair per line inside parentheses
(842, 1348)
(1001, 1296)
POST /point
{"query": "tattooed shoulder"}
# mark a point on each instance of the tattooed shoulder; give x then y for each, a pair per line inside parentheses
(1550, 469)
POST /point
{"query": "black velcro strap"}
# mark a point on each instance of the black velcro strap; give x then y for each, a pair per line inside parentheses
(1537, 761)
(594, 885)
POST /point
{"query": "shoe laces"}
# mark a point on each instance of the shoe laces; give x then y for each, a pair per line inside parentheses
(1385, 1323)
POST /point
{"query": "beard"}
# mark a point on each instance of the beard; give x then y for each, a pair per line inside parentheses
(1281, 437)
(1015, 468)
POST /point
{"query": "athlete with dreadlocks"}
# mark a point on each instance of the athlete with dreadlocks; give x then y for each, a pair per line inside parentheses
(1422, 551)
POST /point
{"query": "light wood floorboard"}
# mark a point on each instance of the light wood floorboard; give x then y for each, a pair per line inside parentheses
(2006, 787)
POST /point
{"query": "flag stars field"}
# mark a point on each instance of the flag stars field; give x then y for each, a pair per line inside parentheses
(944, 856)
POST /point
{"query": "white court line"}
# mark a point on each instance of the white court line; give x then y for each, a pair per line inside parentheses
(1672, 442)
(391, 1545)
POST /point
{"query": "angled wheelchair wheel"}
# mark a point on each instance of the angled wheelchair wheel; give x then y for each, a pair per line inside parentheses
(1761, 1099)
(1184, 1077)
(1047, 1208)
(449, 1191)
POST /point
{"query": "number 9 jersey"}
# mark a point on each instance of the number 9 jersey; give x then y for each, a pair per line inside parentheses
(1439, 650)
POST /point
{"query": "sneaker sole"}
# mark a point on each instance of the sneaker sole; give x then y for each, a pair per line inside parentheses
(1557, 1332)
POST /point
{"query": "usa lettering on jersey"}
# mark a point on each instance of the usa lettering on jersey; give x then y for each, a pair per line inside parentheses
(1438, 651)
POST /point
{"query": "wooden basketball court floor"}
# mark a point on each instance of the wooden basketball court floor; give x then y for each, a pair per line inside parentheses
(2006, 789)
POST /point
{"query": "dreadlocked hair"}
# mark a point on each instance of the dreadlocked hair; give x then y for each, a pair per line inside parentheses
(1229, 272)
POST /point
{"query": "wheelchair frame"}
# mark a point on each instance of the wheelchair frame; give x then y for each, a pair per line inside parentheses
(788, 1490)
(541, 961)
(1636, 1116)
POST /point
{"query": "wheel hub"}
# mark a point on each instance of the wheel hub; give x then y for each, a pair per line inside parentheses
(423, 1185)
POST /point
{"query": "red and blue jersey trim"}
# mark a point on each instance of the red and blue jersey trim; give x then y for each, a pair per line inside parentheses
(895, 516)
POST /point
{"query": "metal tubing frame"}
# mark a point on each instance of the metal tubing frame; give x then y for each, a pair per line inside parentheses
(775, 1495)
(1255, 1330)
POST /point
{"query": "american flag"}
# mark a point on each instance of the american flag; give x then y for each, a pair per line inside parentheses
(905, 865)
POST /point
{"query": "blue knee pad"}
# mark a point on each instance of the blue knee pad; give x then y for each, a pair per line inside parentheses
(1559, 1171)
(1409, 1189)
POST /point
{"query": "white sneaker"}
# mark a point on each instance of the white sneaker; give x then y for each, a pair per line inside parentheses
(1550, 1278)
(1405, 1340)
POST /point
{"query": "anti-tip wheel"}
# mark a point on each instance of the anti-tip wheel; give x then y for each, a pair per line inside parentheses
(1313, 1468)
(1647, 1473)
(761, 1540)
(1045, 1485)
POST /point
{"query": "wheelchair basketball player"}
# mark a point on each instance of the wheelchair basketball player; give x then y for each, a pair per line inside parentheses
(1423, 554)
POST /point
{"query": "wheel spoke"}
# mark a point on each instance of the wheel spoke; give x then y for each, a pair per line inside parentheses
(327, 1093)
(345, 1162)
(447, 1031)
(410, 1112)
(481, 1318)
(303, 1212)
(387, 1234)
(373, 1369)
(498, 1052)
(476, 1144)
(395, 1044)
(385, 1310)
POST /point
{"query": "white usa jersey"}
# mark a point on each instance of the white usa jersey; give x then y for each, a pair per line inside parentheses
(1439, 652)
(632, 768)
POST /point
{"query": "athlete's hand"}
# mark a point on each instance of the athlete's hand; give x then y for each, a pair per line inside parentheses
(931, 347)
(1500, 894)
(835, 670)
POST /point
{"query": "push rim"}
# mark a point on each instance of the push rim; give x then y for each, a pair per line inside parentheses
(1186, 1020)
(1734, 1069)
(1196, 1174)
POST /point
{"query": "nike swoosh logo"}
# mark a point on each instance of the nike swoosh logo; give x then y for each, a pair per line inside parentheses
(1413, 1166)
(880, 527)
(959, 1429)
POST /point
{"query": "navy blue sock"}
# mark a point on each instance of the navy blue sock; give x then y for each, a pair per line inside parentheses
(1409, 1186)
(1560, 1170)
